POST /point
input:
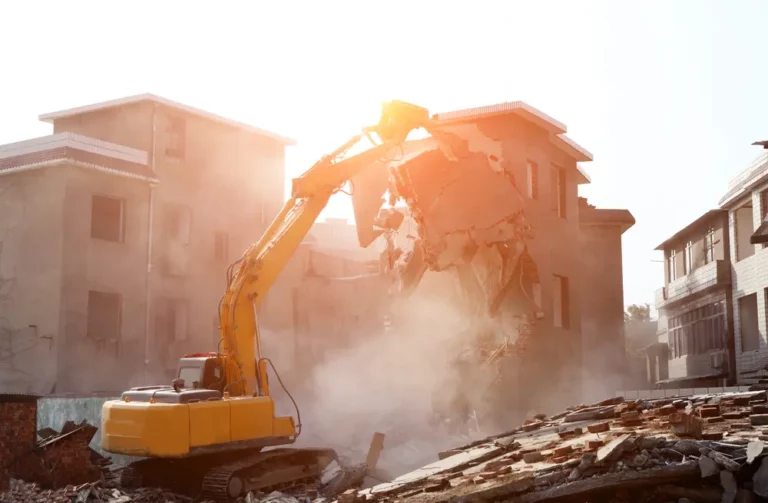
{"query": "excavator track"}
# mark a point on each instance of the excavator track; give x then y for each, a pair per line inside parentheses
(264, 472)
(226, 476)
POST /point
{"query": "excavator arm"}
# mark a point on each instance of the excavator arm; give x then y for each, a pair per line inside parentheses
(261, 264)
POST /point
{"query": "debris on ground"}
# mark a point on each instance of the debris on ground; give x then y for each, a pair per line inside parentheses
(703, 448)
(62, 459)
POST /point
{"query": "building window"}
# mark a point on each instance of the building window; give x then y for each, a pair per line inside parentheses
(107, 218)
(688, 257)
(561, 302)
(672, 265)
(178, 222)
(171, 320)
(709, 246)
(744, 229)
(221, 246)
(749, 328)
(532, 180)
(559, 191)
(698, 331)
(763, 209)
(104, 316)
(176, 133)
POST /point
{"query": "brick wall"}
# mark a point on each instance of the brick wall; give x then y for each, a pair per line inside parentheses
(18, 421)
(750, 275)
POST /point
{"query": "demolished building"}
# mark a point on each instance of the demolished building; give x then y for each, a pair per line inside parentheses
(525, 196)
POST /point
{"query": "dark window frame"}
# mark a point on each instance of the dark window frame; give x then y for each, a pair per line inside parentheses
(107, 235)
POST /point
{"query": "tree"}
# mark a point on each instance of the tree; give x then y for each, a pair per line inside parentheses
(637, 313)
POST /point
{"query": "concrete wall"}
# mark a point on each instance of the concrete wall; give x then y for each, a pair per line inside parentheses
(91, 264)
(54, 411)
(602, 322)
(749, 275)
(31, 241)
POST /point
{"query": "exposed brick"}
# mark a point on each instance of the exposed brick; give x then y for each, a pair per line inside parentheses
(17, 436)
(599, 427)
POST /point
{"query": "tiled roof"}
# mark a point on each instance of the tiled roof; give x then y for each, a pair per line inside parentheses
(79, 150)
(52, 116)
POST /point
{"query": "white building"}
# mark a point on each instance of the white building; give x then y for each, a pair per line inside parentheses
(747, 205)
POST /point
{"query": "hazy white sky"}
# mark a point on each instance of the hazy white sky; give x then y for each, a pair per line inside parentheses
(668, 95)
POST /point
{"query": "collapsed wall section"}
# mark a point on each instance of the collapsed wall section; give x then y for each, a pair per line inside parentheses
(18, 421)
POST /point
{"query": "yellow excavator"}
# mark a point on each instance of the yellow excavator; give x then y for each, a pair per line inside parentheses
(215, 420)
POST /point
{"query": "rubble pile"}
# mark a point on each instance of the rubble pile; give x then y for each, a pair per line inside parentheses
(705, 448)
(18, 417)
(91, 492)
(61, 459)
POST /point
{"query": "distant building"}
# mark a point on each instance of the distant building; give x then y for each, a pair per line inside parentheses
(695, 346)
(115, 236)
(643, 372)
(338, 236)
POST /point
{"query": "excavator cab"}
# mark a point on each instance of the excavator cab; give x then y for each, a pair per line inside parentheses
(201, 371)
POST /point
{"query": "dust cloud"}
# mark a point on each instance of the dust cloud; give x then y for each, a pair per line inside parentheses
(384, 383)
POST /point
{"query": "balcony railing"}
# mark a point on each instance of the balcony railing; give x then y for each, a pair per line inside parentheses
(717, 273)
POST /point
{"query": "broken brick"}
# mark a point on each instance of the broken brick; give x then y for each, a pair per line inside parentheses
(760, 409)
(533, 457)
(732, 415)
(665, 410)
(348, 496)
(712, 435)
(685, 425)
(598, 427)
(758, 419)
(594, 444)
(716, 419)
(563, 451)
(709, 411)
(532, 426)
(560, 459)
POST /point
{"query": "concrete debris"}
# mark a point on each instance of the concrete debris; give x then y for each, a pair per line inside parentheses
(84, 493)
(638, 451)
(649, 460)
(62, 459)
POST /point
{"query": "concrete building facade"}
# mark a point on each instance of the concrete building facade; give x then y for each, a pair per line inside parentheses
(117, 230)
(696, 345)
(545, 165)
(746, 203)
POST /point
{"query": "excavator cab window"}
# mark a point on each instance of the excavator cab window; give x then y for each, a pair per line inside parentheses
(213, 375)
